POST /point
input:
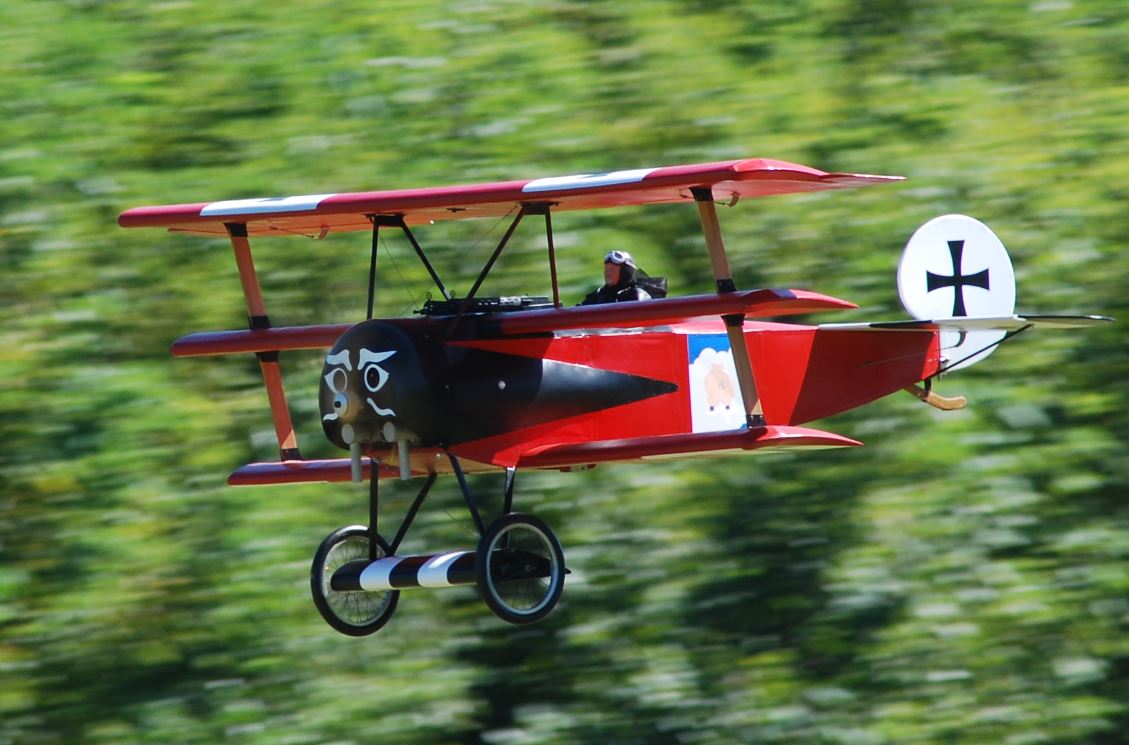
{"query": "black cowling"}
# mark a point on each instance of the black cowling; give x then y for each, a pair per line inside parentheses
(374, 375)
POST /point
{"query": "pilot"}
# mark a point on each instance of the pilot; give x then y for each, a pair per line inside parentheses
(620, 282)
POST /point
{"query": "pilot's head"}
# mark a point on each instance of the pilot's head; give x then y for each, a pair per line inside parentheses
(619, 268)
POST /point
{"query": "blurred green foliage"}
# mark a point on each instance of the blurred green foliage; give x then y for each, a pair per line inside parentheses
(962, 579)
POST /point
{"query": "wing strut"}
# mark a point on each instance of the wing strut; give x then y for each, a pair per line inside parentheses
(397, 221)
(469, 299)
(552, 255)
(734, 323)
(372, 268)
(493, 258)
(268, 361)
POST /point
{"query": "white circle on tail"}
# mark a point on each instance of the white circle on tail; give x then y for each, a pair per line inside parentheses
(954, 266)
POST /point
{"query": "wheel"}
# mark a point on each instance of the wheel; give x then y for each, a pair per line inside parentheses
(520, 568)
(357, 613)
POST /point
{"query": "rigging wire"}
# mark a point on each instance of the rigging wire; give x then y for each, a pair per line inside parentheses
(461, 523)
(487, 234)
(415, 298)
(412, 301)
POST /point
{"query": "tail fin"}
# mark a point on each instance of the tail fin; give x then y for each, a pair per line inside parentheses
(955, 267)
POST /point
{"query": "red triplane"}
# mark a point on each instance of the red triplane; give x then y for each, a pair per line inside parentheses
(476, 384)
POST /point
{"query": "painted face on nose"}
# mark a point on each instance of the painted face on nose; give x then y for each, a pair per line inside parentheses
(347, 401)
(373, 378)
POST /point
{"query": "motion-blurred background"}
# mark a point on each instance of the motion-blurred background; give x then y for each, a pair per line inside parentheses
(962, 579)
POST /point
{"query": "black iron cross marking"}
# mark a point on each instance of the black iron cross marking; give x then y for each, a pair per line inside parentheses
(957, 281)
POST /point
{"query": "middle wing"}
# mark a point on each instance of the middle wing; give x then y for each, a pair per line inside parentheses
(748, 303)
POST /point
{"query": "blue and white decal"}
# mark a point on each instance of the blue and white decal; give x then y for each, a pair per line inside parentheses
(586, 180)
(264, 205)
(715, 398)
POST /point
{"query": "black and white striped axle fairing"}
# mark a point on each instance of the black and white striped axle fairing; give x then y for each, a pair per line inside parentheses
(404, 572)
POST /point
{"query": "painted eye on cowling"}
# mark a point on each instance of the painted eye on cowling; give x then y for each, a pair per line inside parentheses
(375, 378)
(373, 374)
(336, 379)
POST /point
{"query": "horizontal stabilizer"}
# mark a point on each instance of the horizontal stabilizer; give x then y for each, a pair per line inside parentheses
(750, 303)
(682, 446)
(999, 323)
(258, 340)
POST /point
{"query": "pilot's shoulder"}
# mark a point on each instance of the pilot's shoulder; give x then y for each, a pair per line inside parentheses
(592, 298)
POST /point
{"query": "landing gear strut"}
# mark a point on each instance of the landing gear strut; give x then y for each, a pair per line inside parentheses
(518, 565)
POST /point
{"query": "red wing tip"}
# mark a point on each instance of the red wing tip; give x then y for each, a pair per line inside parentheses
(783, 434)
(866, 177)
(769, 165)
(159, 216)
(823, 300)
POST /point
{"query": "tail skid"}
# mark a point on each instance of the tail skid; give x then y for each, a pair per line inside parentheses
(934, 399)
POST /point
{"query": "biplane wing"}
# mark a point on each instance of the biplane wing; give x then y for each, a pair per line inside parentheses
(320, 214)
(560, 456)
(762, 303)
(749, 303)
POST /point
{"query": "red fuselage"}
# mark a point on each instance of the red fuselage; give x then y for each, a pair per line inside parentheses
(494, 398)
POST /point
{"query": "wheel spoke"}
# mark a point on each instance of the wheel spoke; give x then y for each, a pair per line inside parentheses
(522, 568)
(353, 612)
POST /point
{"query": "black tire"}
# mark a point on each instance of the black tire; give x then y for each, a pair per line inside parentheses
(520, 568)
(352, 613)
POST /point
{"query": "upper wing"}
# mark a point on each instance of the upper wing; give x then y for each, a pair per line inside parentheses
(319, 214)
